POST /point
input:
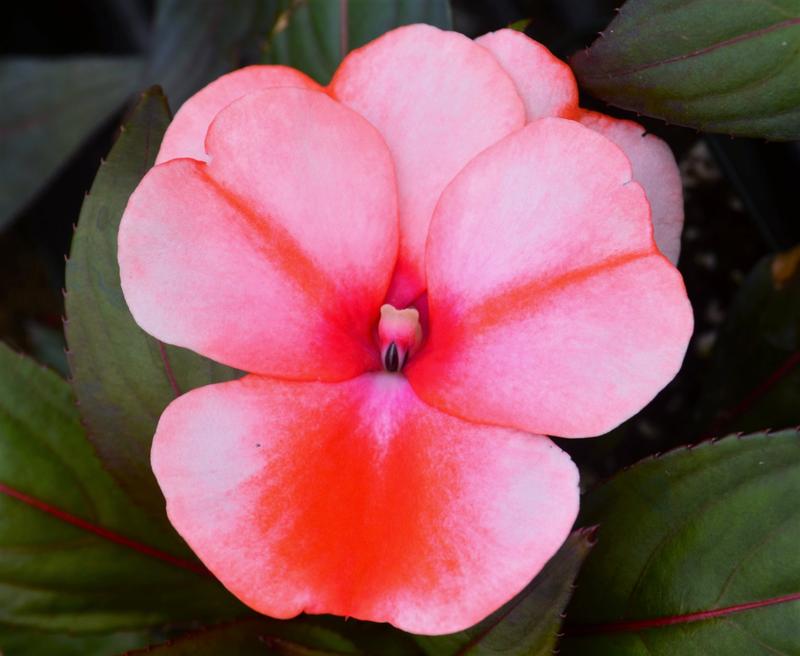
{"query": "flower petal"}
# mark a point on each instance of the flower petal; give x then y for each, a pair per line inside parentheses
(357, 499)
(550, 308)
(186, 134)
(545, 83)
(548, 88)
(275, 257)
(438, 99)
(654, 168)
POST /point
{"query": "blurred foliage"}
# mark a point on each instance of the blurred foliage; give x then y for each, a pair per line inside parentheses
(310, 35)
(754, 380)
(318, 635)
(49, 108)
(52, 105)
(65, 92)
(256, 637)
(28, 642)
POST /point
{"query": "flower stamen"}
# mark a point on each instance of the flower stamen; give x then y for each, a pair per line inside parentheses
(399, 334)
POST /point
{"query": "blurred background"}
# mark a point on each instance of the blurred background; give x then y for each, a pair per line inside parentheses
(741, 195)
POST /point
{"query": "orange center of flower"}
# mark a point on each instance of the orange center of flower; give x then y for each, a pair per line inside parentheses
(399, 335)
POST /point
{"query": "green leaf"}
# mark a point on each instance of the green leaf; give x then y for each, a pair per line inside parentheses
(684, 540)
(754, 379)
(75, 554)
(49, 108)
(370, 637)
(258, 637)
(528, 624)
(520, 25)
(314, 35)
(123, 378)
(195, 42)
(47, 346)
(26, 642)
(714, 65)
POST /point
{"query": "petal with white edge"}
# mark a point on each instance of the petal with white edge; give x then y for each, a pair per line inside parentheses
(358, 499)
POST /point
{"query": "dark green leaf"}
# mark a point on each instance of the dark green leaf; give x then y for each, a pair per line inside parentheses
(75, 554)
(314, 35)
(370, 637)
(527, 625)
(47, 346)
(754, 379)
(195, 42)
(698, 530)
(27, 642)
(122, 377)
(49, 107)
(258, 637)
(715, 65)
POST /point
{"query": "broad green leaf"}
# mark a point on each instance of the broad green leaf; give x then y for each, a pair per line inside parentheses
(754, 379)
(687, 538)
(50, 107)
(528, 624)
(123, 378)
(75, 554)
(714, 65)
(314, 35)
(195, 42)
(28, 642)
(258, 637)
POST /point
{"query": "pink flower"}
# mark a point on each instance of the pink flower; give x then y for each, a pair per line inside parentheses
(426, 266)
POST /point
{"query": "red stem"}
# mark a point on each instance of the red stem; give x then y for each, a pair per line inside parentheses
(658, 622)
(750, 400)
(102, 532)
(162, 350)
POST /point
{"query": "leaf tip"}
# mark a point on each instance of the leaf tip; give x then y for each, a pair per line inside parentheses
(589, 534)
(152, 90)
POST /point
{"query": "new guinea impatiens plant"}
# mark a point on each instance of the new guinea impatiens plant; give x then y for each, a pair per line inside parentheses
(425, 268)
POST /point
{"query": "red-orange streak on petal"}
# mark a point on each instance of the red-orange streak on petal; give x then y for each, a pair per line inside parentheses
(357, 499)
(550, 310)
(280, 263)
(352, 513)
(521, 297)
(275, 242)
(285, 253)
